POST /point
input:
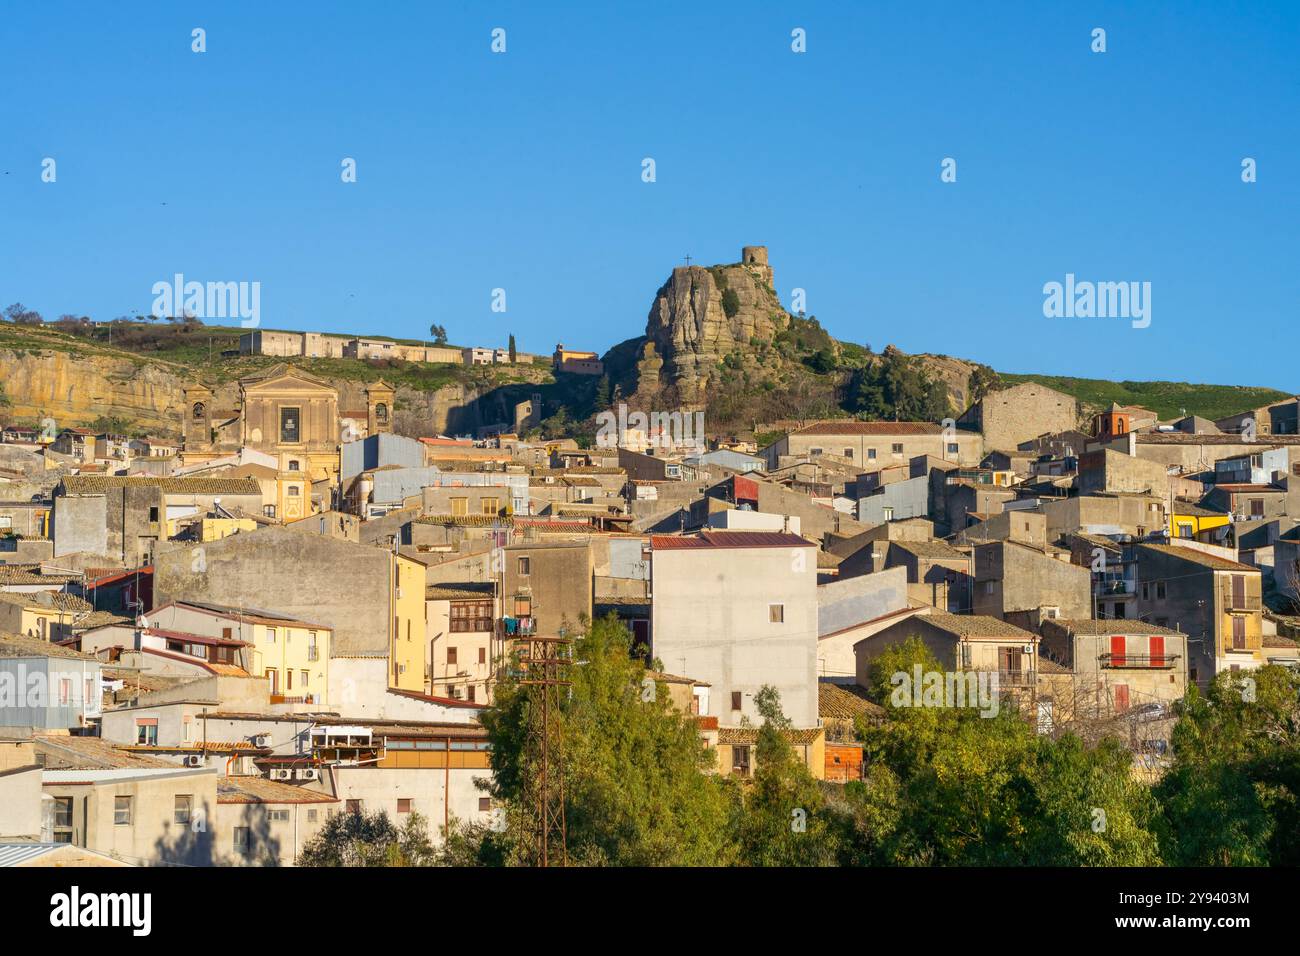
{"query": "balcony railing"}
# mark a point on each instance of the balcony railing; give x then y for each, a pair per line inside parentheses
(1138, 661)
(517, 626)
(1023, 678)
(1114, 589)
(1240, 601)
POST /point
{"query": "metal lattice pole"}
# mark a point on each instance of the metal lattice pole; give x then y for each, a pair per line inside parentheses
(543, 667)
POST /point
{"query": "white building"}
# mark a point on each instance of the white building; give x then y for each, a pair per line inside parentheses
(738, 610)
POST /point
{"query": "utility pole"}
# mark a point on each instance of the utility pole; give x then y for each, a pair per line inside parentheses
(544, 672)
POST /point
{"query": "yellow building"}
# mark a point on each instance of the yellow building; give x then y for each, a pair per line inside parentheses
(406, 639)
(283, 411)
(293, 655)
(48, 615)
(1188, 520)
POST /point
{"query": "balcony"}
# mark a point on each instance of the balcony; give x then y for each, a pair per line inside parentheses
(1114, 588)
(517, 626)
(1023, 678)
(1234, 600)
(1165, 662)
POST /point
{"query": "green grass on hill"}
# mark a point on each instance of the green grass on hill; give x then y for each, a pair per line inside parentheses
(200, 351)
(1166, 399)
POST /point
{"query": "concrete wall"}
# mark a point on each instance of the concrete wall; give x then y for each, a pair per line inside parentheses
(81, 524)
(436, 794)
(843, 607)
(909, 498)
(1013, 415)
(20, 803)
(152, 837)
(342, 585)
(1010, 578)
(559, 582)
(711, 622)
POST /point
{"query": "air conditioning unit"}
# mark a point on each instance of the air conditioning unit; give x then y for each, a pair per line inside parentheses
(193, 760)
(262, 740)
(308, 773)
(1029, 648)
(281, 773)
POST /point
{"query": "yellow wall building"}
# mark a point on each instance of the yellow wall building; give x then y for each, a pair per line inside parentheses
(406, 639)
(293, 655)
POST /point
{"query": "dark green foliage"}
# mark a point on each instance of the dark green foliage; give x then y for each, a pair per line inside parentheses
(359, 838)
(896, 387)
(730, 302)
(1232, 797)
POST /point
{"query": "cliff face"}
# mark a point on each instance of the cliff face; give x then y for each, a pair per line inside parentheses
(76, 389)
(701, 316)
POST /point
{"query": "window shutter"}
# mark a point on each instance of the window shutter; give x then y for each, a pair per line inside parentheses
(1157, 650)
(1117, 649)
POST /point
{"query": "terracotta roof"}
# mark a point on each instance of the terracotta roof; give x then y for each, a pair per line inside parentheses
(98, 484)
(20, 645)
(851, 427)
(46, 600)
(675, 679)
(1212, 561)
(258, 790)
(931, 549)
(459, 591)
(977, 625)
(91, 753)
(20, 574)
(838, 702)
(467, 521)
(749, 735)
(1277, 640)
(729, 539)
(1182, 438)
(1113, 626)
(546, 526)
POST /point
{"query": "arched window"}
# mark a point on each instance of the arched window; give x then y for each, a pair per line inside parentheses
(381, 412)
(198, 409)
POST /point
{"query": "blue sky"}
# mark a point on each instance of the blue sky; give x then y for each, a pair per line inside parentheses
(523, 170)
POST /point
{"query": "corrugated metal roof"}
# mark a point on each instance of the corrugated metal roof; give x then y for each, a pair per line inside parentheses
(12, 854)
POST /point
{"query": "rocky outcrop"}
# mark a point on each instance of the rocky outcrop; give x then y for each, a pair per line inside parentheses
(76, 389)
(701, 316)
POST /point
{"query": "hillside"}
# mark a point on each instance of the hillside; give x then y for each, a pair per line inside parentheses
(1166, 399)
(135, 384)
(717, 338)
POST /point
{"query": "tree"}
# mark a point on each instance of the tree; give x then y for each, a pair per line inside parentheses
(635, 789)
(19, 314)
(358, 838)
(969, 786)
(439, 334)
(894, 386)
(781, 817)
(981, 381)
(513, 354)
(1232, 796)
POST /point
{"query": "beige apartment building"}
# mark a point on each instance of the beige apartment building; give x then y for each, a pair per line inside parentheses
(875, 445)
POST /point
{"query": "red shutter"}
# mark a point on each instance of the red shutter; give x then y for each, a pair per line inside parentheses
(1157, 650)
(1117, 651)
(1121, 698)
